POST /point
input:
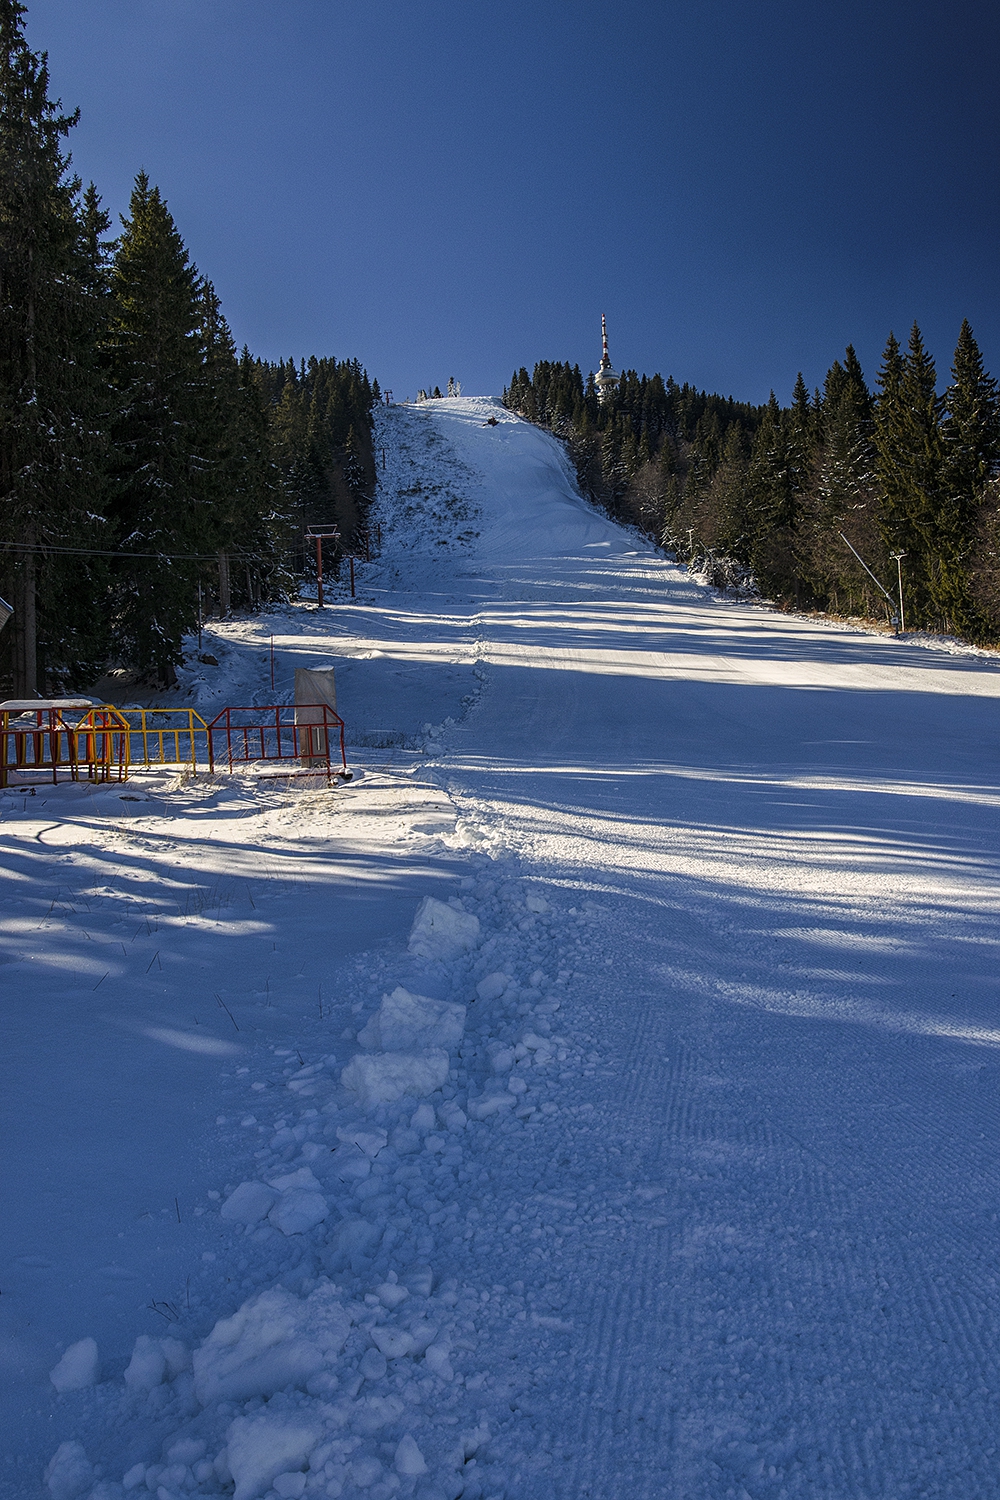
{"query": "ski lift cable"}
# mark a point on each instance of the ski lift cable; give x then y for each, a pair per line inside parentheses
(867, 569)
(153, 556)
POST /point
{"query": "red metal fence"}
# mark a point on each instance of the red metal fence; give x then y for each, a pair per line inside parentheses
(283, 731)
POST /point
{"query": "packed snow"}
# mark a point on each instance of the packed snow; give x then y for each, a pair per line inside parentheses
(594, 1097)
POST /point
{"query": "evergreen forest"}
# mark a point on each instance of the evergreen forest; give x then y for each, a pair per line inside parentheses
(148, 469)
(774, 498)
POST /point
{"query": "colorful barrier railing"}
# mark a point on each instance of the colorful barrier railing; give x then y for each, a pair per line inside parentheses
(284, 731)
(167, 736)
(108, 740)
(44, 738)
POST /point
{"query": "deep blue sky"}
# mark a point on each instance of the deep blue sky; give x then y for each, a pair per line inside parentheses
(456, 187)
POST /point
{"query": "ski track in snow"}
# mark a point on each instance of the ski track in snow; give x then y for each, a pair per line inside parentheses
(654, 1155)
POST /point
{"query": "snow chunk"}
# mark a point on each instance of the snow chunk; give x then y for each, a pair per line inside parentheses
(289, 1486)
(391, 1293)
(69, 1471)
(388, 1076)
(491, 1104)
(154, 1361)
(493, 986)
(266, 1445)
(365, 1470)
(409, 1461)
(536, 904)
(370, 1140)
(394, 1343)
(407, 1023)
(437, 1360)
(302, 1177)
(440, 931)
(249, 1203)
(297, 1202)
(78, 1368)
(186, 1450)
(298, 1211)
(350, 1163)
(275, 1339)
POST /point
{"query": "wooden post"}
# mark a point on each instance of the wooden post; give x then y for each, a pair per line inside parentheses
(352, 577)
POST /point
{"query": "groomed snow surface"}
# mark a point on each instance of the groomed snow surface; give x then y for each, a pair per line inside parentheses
(595, 1098)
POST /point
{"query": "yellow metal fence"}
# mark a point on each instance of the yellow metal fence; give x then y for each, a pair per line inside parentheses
(167, 737)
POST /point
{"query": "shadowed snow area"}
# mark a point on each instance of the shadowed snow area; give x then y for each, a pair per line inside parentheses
(597, 1097)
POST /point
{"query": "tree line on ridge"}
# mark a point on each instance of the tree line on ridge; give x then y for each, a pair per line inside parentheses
(763, 496)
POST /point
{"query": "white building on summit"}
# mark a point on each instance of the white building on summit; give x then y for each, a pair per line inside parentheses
(606, 378)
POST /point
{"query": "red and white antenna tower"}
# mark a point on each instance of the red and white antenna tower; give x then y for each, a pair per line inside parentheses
(606, 378)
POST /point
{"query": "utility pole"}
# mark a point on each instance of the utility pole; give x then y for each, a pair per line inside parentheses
(899, 575)
(319, 536)
(224, 594)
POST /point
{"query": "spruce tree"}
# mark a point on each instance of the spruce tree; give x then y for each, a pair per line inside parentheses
(842, 497)
(156, 360)
(730, 495)
(970, 431)
(971, 425)
(772, 504)
(801, 428)
(911, 468)
(50, 390)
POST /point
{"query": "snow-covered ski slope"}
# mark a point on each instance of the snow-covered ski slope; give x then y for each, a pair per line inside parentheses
(658, 1160)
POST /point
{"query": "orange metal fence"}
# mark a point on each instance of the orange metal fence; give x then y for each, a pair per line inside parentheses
(46, 739)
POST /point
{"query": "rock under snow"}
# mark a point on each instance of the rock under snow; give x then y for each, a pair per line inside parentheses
(441, 931)
(78, 1368)
(406, 1023)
